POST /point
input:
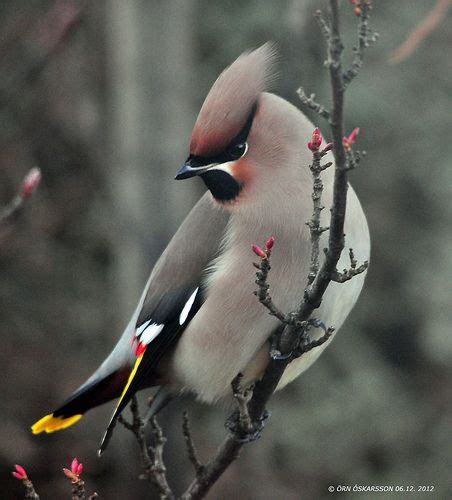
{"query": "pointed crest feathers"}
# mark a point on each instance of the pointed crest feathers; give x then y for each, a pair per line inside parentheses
(230, 100)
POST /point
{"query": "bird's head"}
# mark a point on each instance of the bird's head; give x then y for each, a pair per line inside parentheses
(241, 132)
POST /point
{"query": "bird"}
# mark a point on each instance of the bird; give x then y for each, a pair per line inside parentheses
(198, 322)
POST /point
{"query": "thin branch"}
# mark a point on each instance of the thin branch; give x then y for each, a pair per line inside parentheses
(421, 31)
(30, 491)
(365, 38)
(354, 269)
(311, 103)
(262, 292)
(323, 25)
(190, 445)
(152, 456)
(314, 223)
(78, 490)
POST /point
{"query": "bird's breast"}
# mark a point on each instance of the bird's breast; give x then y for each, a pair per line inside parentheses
(231, 326)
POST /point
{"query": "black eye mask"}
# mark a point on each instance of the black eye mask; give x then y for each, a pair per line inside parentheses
(235, 150)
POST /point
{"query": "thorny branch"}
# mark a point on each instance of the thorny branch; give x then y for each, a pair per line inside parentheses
(293, 339)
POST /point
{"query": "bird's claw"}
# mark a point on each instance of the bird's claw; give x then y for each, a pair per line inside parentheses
(234, 426)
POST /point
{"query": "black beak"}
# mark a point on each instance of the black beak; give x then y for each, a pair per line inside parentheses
(187, 171)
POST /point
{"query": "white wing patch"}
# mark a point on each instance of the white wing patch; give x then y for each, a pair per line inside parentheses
(142, 328)
(188, 305)
(147, 332)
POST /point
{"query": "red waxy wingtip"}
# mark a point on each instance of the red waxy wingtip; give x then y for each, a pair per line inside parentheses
(140, 349)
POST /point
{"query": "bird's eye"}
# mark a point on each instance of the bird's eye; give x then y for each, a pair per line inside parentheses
(238, 150)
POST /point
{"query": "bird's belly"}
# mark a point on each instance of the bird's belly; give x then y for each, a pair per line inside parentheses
(226, 334)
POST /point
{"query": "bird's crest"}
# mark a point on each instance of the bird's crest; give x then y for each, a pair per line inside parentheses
(230, 100)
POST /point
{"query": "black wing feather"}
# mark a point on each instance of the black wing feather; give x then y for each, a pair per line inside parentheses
(164, 341)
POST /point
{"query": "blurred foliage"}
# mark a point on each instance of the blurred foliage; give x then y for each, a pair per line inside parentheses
(376, 407)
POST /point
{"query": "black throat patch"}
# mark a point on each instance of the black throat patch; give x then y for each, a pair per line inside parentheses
(222, 185)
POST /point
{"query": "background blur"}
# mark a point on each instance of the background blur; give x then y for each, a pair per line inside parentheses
(102, 96)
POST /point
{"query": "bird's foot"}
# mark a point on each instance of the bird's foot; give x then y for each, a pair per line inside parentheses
(249, 433)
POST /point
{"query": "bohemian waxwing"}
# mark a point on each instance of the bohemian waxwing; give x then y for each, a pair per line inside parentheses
(198, 323)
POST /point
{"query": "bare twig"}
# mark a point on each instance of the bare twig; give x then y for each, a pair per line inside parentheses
(323, 24)
(78, 490)
(365, 38)
(421, 31)
(262, 292)
(348, 274)
(30, 491)
(311, 103)
(314, 223)
(190, 445)
(152, 456)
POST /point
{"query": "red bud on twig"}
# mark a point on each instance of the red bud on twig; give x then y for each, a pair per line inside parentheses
(30, 183)
(68, 473)
(269, 243)
(258, 251)
(348, 142)
(76, 470)
(316, 140)
(19, 473)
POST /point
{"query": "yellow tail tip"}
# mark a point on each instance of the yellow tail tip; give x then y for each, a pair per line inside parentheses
(49, 423)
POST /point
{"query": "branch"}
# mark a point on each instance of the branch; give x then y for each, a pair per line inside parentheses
(152, 456)
(365, 38)
(421, 32)
(312, 104)
(190, 445)
(348, 274)
(261, 280)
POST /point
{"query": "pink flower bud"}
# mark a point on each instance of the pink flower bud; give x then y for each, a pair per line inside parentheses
(348, 142)
(19, 473)
(30, 183)
(354, 134)
(269, 243)
(68, 473)
(316, 140)
(74, 466)
(79, 469)
(258, 251)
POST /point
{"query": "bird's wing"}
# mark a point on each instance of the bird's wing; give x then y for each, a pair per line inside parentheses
(174, 295)
(155, 323)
